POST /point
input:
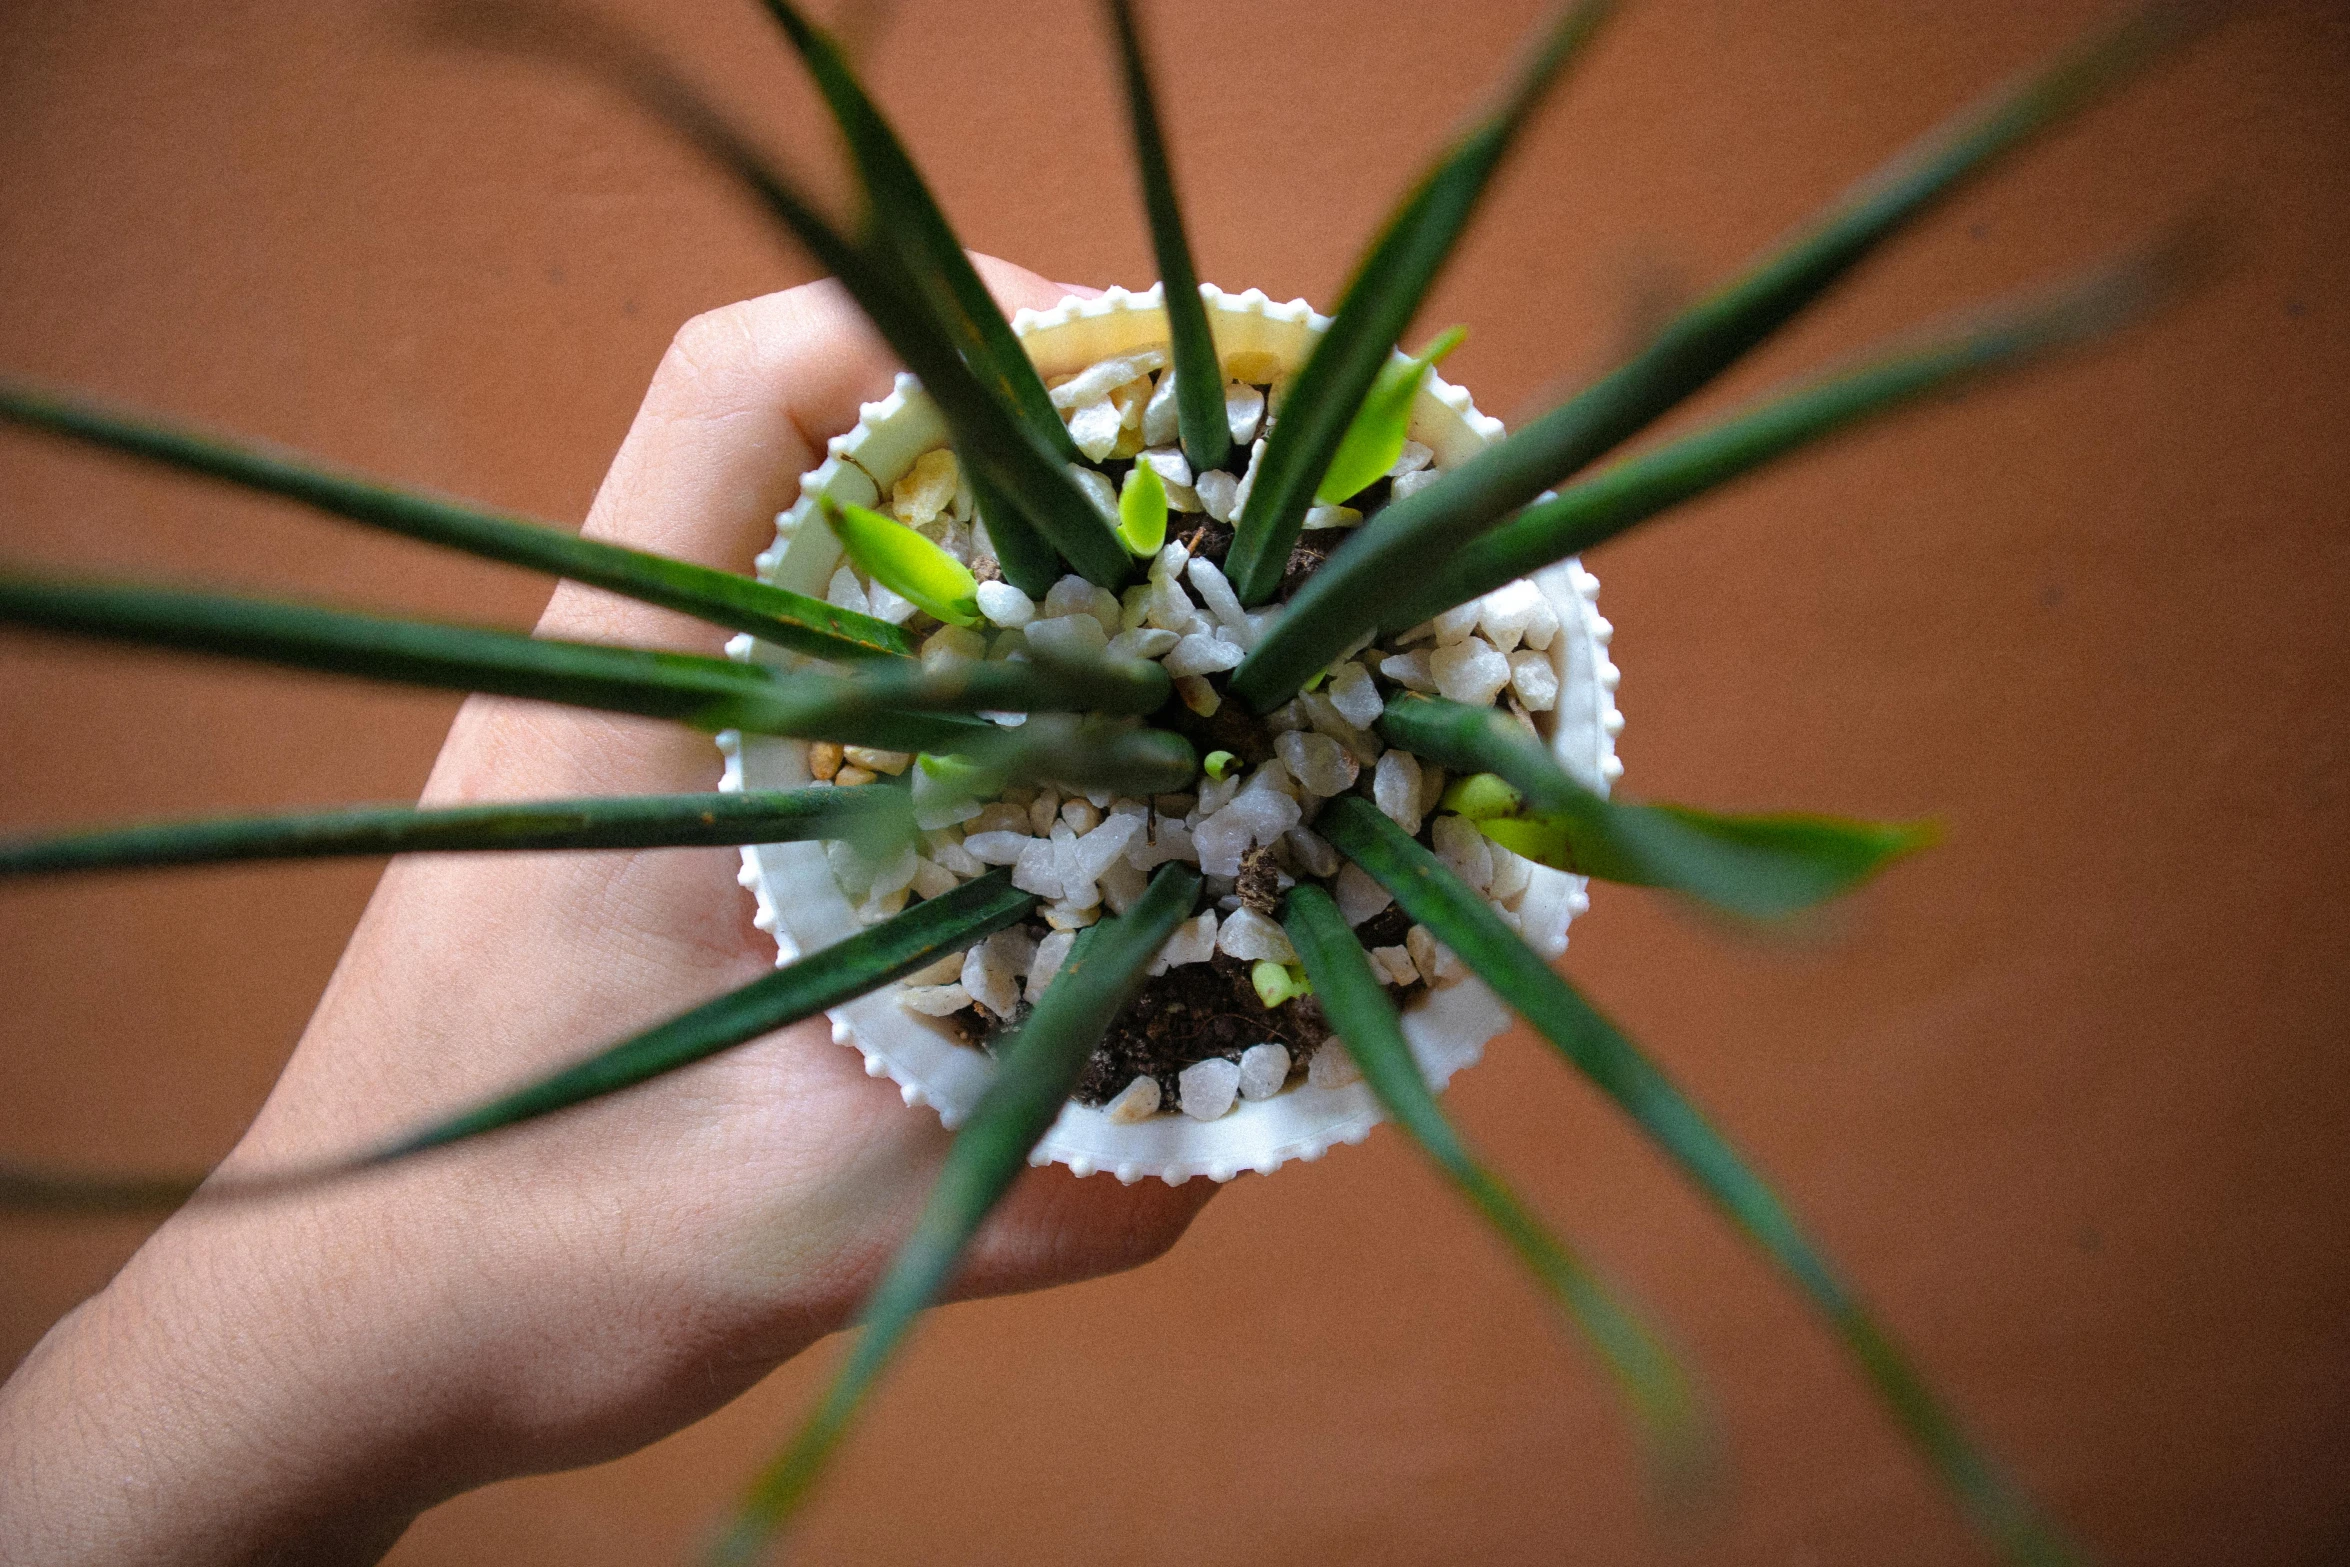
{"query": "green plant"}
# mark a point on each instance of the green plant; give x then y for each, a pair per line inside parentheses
(1483, 521)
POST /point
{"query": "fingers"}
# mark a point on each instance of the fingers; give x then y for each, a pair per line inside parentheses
(1017, 288)
(1056, 1228)
(740, 407)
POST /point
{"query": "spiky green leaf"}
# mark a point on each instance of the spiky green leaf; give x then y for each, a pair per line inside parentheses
(1463, 921)
(902, 213)
(650, 821)
(1758, 866)
(793, 620)
(1381, 426)
(839, 973)
(1035, 1071)
(1631, 491)
(1357, 1006)
(1364, 581)
(1026, 480)
(1389, 282)
(829, 977)
(905, 562)
(1199, 378)
(897, 704)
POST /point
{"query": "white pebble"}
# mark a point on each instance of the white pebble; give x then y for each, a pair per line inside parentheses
(1217, 491)
(988, 978)
(1098, 489)
(1095, 427)
(927, 489)
(1268, 808)
(1102, 846)
(1504, 614)
(1244, 410)
(1137, 1101)
(846, 592)
(1432, 958)
(1412, 483)
(1252, 938)
(1411, 671)
(1100, 379)
(1038, 869)
(1122, 886)
(1356, 695)
(1143, 642)
(999, 816)
(1263, 1069)
(1051, 953)
(1465, 851)
(1206, 1089)
(1193, 941)
(1215, 591)
(932, 880)
(1202, 655)
(1214, 794)
(1073, 595)
(1394, 965)
(952, 642)
(1332, 1067)
(1535, 681)
(1512, 875)
(1075, 637)
(934, 1000)
(1330, 517)
(1413, 458)
(1162, 420)
(1395, 789)
(1171, 609)
(1221, 840)
(944, 972)
(1313, 851)
(1248, 480)
(1359, 894)
(1195, 693)
(1173, 467)
(1456, 623)
(883, 604)
(1005, 604)
(1542, 625)
(1361, 744)
(1320, 765)
(996, 848)
(1469, 671)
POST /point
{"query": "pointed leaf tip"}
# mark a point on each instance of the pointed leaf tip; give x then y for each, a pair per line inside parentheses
(1376, 438)
(905, 562)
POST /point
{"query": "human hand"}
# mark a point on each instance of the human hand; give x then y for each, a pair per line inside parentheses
(296, 1379)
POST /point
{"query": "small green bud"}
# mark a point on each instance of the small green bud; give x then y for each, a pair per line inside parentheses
(1276, 983)
(1218, 764)
(1480, 797)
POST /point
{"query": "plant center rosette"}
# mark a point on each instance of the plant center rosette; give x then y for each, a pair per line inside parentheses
(1223, 1061)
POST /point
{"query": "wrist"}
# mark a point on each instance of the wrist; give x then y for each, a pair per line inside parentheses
(196, 1412)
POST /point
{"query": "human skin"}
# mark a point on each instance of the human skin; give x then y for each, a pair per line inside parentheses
(295, 1379)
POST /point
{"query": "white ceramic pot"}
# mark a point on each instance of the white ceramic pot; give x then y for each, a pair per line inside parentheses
(805, 910)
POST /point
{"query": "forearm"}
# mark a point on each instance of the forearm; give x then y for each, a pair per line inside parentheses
(185, 1416)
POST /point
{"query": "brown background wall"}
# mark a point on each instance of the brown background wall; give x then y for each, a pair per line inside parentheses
(2065, 1094)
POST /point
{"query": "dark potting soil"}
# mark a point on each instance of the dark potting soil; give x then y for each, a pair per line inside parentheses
(1191, 1013)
